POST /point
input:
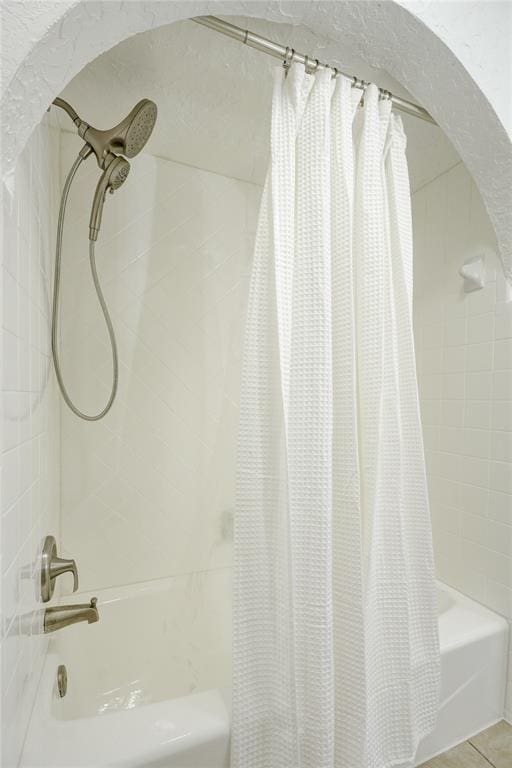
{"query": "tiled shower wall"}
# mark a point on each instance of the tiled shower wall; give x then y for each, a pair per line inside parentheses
(464, 351)
(30, 425)
(147, 493)
(155, 478)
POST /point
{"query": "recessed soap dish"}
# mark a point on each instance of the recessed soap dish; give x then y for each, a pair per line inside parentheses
(473, 272)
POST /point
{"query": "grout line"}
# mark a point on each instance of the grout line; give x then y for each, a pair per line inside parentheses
(257, 184)
(481, 753)
(443, 173)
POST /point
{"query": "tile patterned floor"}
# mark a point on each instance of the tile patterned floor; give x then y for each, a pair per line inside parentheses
(492, 747)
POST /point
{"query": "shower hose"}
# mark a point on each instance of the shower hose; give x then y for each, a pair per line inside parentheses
(101, 299)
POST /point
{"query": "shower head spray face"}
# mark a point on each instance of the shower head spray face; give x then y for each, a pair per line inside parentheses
(119, 173)
(141, 122)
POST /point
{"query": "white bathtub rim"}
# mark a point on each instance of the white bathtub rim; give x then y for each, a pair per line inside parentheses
(492, 622)
(457, 742)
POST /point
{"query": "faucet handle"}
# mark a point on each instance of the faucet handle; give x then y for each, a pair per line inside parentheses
(60, 565)
(53, 566)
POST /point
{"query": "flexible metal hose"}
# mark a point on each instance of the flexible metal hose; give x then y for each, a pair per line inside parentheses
(101, 299)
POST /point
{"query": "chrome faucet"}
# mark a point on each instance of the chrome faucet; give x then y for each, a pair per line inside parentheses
(64, 615)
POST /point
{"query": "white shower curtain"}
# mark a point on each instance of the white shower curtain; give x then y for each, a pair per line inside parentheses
(335, 653)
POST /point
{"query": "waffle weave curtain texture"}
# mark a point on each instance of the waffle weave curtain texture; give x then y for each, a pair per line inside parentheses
(335, 650)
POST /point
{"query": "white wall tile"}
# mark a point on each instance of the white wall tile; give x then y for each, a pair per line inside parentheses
(503, 354)
(475, 471)
(476, 443)
(499, 597)
(502, 414)
(469, 464)
(483, 301)
(501, 476)
(477, 414)
(452, 439)
(478, 386)
(472, 499)
(500, 507)
(455, 360)
(454, 332)
(504, 320)
(453, 386)
(502, 385)
(501, 446)
(30, 414)
(475, 528)
(432, 336)
(480, 328)
(479, 357)
(452, 413)
(156, 477)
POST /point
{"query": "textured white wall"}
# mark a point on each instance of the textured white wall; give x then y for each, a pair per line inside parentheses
(479, 34)
(24, 23)
(148, 492)
(464, 352)
(30, 426)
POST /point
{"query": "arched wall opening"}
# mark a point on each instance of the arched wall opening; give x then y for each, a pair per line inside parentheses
(387, 35)
(145, 272)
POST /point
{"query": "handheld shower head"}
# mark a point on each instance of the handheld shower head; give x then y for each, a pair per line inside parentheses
(127, 138)
(111, 179)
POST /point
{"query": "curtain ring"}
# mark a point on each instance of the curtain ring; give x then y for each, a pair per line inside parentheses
(335, 73)
(288, 57)
(310, 68)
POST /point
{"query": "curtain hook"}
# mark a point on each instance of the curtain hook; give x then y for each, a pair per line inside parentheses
(335, 73)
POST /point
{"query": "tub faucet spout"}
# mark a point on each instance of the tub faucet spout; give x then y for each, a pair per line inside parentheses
(64, 615)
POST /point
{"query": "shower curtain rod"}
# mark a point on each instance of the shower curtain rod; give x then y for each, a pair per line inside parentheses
(288, 55)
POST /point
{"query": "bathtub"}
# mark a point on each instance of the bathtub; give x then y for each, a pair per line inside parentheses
(147, 691)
